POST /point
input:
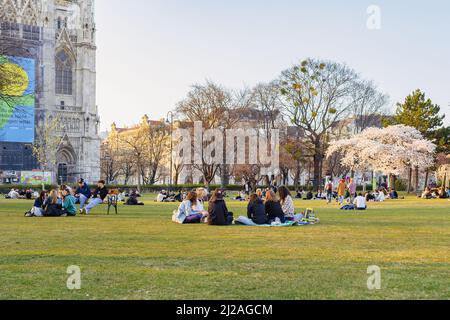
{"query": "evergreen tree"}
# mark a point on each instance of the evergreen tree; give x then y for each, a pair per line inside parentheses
(419, 112)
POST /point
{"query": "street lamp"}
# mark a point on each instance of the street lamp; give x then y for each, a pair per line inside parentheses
(169, 120)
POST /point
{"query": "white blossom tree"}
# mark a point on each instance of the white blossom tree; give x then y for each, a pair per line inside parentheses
(391, 150)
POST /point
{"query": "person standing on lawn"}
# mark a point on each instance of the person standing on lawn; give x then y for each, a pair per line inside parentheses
(341, 191)
(98, 197)
(84, 193)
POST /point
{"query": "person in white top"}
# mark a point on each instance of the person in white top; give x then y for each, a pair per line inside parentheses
(161, 196)
(199, 206)
(360, 202)
(13, 194)
(287, 204)
(381, 197)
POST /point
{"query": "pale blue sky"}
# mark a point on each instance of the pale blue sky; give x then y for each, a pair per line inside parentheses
(151, 51)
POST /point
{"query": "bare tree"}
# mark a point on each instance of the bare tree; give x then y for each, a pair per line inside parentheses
(317, 95)
(369, 105)
(46, 145)
(216, 108)
(157, 141)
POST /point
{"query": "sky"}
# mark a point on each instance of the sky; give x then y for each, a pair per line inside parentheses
(150, 52)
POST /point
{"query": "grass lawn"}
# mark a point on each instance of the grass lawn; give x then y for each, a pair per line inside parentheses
(141, 254)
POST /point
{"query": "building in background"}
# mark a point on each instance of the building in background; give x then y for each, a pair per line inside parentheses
(59, 36)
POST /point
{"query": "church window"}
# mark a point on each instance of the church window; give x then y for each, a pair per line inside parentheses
(64, 74)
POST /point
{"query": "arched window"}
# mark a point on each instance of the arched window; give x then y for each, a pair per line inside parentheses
(64, 74)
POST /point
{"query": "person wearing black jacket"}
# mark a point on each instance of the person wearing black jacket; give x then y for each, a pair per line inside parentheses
(273, 207)
(218, 214)
(256, 210)
(98, 197)
(52, 206)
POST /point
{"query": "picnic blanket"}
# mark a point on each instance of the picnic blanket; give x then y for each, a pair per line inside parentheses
(244, 221)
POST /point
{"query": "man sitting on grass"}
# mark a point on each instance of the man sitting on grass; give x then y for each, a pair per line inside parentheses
(360, 202)
(98, 197)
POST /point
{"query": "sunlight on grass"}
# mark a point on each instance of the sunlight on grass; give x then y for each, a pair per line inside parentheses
(141, 254)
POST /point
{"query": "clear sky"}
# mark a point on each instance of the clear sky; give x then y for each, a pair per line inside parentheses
(151, 51)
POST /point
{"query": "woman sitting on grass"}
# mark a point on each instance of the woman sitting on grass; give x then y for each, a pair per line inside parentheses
(256, 210)
(68, 205)
(273, 207)
(53, 205)
(218, 214)
(38, 207)
(287, 204)
(185, 213)
(199, 206)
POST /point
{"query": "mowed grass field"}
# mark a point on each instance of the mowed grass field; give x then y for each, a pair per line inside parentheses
(141, 254)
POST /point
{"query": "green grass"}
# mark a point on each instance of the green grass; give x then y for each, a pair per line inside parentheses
(141, 254)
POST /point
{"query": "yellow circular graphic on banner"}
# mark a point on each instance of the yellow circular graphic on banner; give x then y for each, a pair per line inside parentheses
(13, 80)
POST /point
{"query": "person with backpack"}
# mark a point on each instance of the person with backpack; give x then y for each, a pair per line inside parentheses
(218, 214)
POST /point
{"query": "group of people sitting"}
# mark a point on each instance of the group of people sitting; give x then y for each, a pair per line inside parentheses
(169, 196)
(264, 207)
(62, 202)
(441, 193)
(28, 194)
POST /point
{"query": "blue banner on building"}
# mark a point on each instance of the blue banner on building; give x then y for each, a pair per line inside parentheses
(17, 99)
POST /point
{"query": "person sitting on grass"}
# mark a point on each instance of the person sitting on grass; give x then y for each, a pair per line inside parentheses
(259, 193)
(98, 196)
(38, 207)
(273, 207)
(381, 197)
(370, 196)
(218, 214)
(320, 196)
(393, 195)
(442, 194)
(68, 205)
(199, 206)
(133, 200)
(185, 213)
(309, 195)
(83, 192)
(13, 194)
(360, 202)
(256, 210)
(52, 206)
(162, 196)
(287, 204)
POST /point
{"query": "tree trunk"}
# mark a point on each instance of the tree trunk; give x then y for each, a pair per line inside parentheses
(410, 172)
(416, 180)
(225, 176)
(427, 175)
(317, 164)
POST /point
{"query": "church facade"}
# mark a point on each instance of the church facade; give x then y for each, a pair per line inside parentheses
(59, 35)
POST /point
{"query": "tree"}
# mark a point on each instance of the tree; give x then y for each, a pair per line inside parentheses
(317, 95)
(134, 149)
(419, 112)
(216, 108)
(46, 145)
(390, 150)
(157, 139)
